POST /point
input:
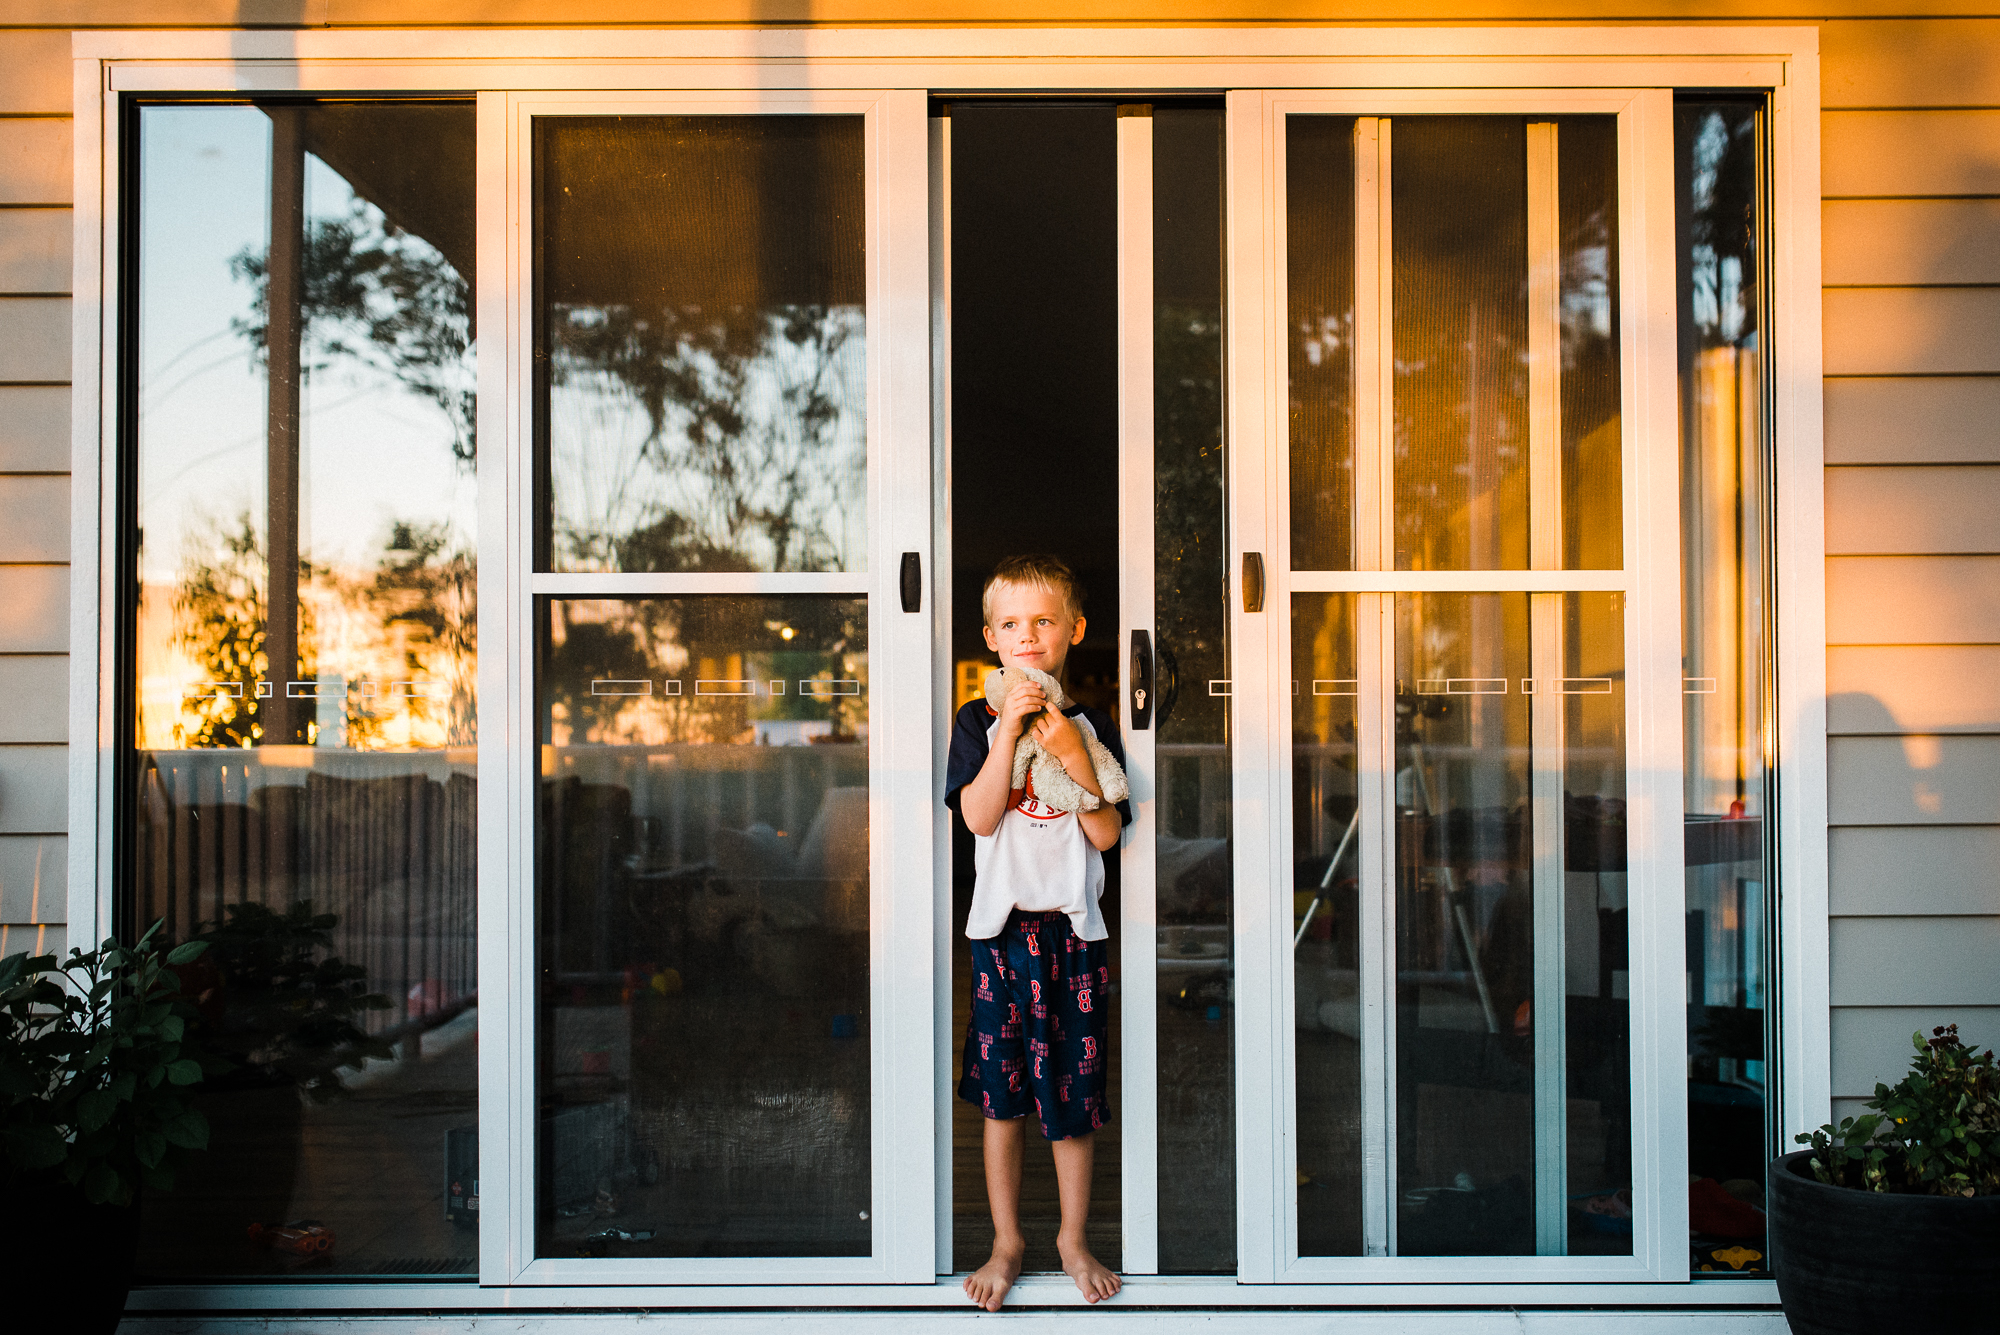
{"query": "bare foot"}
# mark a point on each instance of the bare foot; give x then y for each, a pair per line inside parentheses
(988, 1285)
(1093, 1281)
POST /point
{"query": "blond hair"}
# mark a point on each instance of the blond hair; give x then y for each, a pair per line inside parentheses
(1035, 570)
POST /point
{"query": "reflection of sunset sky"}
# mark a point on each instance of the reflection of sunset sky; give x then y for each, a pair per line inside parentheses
(610, 480)
(371, 452)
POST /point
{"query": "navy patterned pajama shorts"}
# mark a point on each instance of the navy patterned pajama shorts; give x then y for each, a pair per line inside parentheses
(1036, 1039)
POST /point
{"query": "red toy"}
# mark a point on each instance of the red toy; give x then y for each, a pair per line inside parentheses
(301, 1237)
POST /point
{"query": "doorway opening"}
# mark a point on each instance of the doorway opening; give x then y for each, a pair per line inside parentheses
(1034, 468)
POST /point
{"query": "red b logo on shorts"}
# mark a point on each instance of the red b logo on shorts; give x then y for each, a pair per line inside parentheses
(1083, 998)
(1089, 1048)
(1036, 987)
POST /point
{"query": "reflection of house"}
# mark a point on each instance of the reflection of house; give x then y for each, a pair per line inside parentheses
(665, 924)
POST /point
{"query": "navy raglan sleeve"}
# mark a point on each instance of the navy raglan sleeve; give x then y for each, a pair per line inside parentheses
(968, 749)
(1107, 732)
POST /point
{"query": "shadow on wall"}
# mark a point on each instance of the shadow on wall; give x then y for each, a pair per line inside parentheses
(1881, 774)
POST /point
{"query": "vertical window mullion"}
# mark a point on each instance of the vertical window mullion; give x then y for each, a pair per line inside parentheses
(1545, 709)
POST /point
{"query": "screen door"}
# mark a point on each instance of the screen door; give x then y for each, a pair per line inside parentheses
(717, 825)
(1456, 688)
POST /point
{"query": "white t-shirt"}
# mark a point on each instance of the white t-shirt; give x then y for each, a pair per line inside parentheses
(1036, 860)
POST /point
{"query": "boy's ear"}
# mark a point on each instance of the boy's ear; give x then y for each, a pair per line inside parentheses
(991, 643)
(1076, 636)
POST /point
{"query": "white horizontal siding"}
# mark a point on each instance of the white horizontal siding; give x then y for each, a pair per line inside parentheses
(34, 877)
(1947, 509)
(1872, 1043)
(34, 789)
(1926, 961)
(34, 428)
(1910, 241)
(1913, 600)
(1912, 330)
(34, 338)
(1895, 153)
(1900, 62)
(34, 250)
(35, 166)
(35, 71)
(34, 609)
(1913, 780)
(1913, 688)
(1901, 870)
(1913, 420)
(35, 938)
(34, 698)
(34, 517)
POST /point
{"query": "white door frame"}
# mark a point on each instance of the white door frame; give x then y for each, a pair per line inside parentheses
(1261, 644)
(900, 777)
(1780, 60)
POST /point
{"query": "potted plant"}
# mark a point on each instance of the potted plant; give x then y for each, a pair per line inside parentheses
(287, 1015)
(1891, 1221)
(95, 1066)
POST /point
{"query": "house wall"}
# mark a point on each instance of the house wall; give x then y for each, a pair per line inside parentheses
(35, 192)
(1911, 166)
(1912, 311)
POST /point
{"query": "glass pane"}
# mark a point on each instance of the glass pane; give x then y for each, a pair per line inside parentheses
(1481, 1131)
(1326, 950)
(1724, 500)
(1319, 245)
(1458, 187)
(1194, 870)
(1597, 1022)
(701, 343)
(301, 790)
(701, 844)
(1592, 444)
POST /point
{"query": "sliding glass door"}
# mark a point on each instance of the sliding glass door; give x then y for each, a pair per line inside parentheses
(718, 687)
(1457, 685)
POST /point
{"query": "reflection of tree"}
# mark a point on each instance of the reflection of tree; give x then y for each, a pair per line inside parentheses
(219, 623)
(743, 413)
(716, 636)
(415, 618)
(427, 588)
(379, 296)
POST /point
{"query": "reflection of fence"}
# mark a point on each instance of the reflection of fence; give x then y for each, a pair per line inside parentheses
(681, 795)
(385, 841)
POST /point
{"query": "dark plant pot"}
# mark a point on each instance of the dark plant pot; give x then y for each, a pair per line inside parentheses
(247, 1176)
(1861, 1262)
(63, 1260)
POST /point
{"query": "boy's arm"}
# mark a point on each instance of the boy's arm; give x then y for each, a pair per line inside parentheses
(984, 801)
(1064, 740)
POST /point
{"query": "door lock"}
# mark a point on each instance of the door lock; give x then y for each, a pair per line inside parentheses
(1140, 680)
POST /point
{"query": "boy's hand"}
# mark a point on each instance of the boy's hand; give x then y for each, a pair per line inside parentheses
(1021, 704)
(1061, 738)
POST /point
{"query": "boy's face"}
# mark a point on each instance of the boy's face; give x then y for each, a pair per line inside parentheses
(1031, 626)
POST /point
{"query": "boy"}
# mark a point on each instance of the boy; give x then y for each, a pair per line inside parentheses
(1036, 1041)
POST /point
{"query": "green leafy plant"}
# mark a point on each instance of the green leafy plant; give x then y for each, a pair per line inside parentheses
(94, 1067)
(276, 1002)
(1935, 1133)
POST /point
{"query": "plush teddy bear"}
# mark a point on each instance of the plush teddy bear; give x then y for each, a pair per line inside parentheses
(1053, 785)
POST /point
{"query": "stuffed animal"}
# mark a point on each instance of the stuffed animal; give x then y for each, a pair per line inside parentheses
(1053, 785)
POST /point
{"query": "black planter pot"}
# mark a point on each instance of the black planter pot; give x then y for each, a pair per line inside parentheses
(1849, 1262)
(66, 1264)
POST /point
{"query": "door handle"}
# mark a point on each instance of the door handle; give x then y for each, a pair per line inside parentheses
(912, 582)
(1139, 681)
(1253, 581)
